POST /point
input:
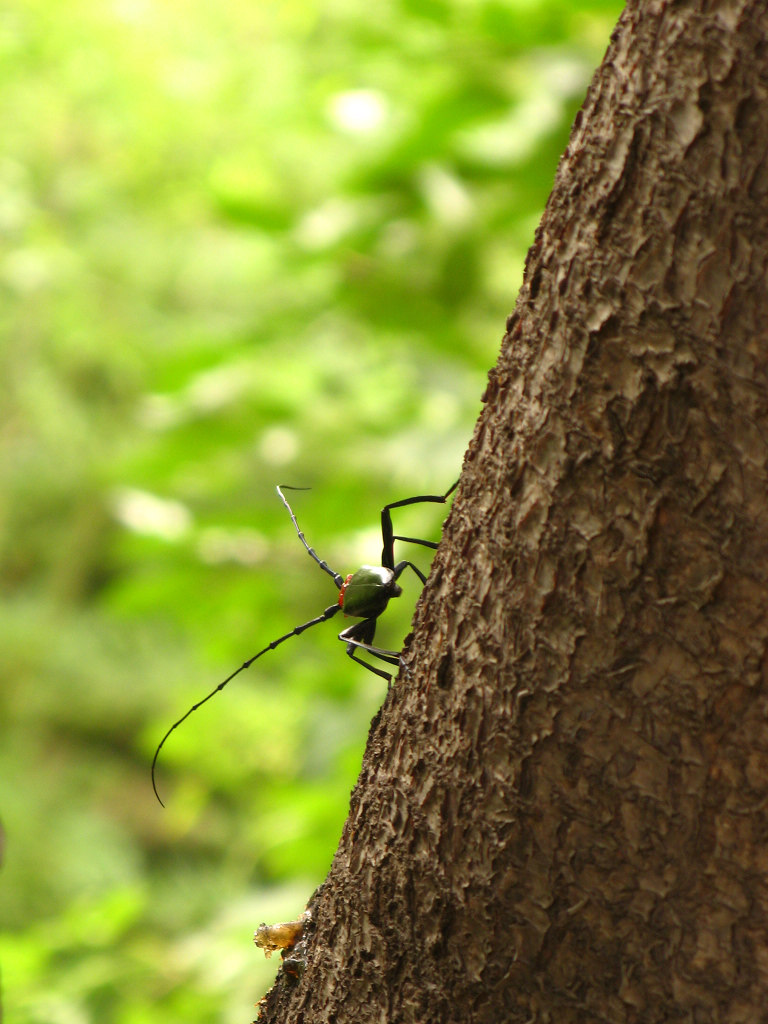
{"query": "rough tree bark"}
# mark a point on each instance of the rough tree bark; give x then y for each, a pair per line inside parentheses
(561, 814)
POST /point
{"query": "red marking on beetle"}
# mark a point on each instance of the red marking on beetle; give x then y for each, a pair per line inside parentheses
(344, 586)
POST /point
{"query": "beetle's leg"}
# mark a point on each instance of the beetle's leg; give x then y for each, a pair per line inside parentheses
(388, 534)
(404, 565)
(358, 638)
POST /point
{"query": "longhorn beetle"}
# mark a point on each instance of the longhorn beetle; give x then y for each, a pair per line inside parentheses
(363, 594)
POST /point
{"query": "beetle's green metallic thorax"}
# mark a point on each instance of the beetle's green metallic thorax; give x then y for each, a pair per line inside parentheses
(366, 593)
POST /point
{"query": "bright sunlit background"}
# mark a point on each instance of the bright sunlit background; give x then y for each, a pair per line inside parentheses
(242, 243)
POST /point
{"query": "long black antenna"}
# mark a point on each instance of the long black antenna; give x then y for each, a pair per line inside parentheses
(337, 579)
(327, 614)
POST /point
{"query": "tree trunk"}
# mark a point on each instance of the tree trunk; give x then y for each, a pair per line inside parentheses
(561, 814)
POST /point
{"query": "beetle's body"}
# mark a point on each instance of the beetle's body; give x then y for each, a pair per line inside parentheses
(362, 595)
(366, 593)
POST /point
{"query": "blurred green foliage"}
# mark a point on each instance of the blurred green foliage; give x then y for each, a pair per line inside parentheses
(240, 244)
